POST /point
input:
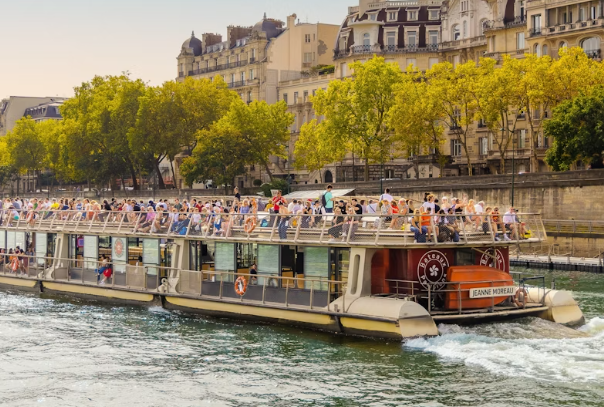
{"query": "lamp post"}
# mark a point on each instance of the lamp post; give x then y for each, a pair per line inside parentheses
(513, 168)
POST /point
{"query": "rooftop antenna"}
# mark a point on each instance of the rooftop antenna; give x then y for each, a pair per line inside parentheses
(264, 16)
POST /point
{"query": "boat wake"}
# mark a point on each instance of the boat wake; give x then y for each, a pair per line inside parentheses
(531, 348)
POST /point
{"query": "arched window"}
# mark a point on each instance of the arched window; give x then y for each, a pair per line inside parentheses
(328, 177)
(455, 33)
(483, 23)
(537, 50)
(563, 44)
(591, 45)
(544, 50)
(465, 29)
(366, 39)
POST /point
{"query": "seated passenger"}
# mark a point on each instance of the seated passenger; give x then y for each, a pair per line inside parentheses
(420, 230)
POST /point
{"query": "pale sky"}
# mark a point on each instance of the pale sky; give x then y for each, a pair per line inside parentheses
(49, 46)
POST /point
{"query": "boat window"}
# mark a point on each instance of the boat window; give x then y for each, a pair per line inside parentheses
(91, 252)
(225, 260)
(269, 262)
(464, 257)
(3, 239)
(200, 257)
(135, 250)
(316, 266)
(246, 255)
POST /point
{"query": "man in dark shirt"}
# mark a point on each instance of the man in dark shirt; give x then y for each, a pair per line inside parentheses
(358, 209)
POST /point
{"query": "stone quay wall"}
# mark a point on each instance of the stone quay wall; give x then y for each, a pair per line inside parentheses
(560, 195)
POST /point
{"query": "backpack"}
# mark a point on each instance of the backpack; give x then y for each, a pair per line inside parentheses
(323, 200)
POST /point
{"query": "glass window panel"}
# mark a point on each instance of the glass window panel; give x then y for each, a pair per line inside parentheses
(316, 265)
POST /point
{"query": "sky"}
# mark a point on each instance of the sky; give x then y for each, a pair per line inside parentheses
(47, 47)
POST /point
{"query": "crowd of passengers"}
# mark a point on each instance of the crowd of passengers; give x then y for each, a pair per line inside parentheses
(441, 219)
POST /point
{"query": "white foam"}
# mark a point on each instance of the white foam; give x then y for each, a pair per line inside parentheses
(501, 351)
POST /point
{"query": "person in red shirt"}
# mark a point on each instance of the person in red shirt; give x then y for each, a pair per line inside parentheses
(277, 201)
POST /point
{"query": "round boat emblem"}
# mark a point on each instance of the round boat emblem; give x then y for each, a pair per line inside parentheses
(119, 247)
(488, 261)
(432, 269)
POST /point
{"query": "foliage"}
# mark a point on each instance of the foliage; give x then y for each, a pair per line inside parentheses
(314, 149)
(25, 148)
(355, 111)
(257, 182)
(577, 127)
(416, 119)
(276, 184)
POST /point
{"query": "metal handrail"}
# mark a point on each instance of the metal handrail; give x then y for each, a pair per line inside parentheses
(367, 230)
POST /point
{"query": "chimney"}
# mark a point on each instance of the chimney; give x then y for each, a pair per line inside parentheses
(291, 20)
(364, 6)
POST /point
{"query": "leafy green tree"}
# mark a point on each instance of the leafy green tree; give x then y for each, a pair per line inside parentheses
(314, 149)
(355, 111)
(25, 148)
(577, 127)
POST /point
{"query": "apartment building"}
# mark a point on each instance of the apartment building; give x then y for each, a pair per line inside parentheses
(14, 108)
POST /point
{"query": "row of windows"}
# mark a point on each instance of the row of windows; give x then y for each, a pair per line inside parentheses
(392, 16)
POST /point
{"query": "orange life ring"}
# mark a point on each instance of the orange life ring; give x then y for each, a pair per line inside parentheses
(520, 304)
(250, 225)
(241, 285)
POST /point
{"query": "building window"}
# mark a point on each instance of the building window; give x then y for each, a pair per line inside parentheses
(305, 96)
(307, 38)
(455, 61)
(307, 57)
(581, 14)
(343, 72)
(591, 45)
(520, 41)
(314, 92)
(232, 78)
(483, 145)
(455, 33)
(456, 148)
(522, 138)
(254, 53)
(563, 44)
(412, 39)
(411, 15)
(537, 50)
(464, 5)
(544, 50)
(252, 75)
(433, 37)
(373, 16)
(593, 12)
(249, 97)
(392, 15)
(411, 62)
(295, 98)
(391, 39)
(242, 76)
(343, 42)
(432, 62)
(366, 39)
(433, 15)
(465, 29)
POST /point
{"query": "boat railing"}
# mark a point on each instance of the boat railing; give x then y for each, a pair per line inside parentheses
(295, 292)
(436, 291)
(335, 229)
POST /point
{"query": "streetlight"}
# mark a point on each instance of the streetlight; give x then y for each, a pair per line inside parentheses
(513, 167)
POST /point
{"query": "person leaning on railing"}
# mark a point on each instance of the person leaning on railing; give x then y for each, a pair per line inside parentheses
(417, 228)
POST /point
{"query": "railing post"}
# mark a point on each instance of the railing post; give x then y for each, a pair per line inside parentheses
(106, 221)
(377, 233)
(264, 280)
(312, 286)
(221, 285)
(429, 298)
(324, 222)
(286, 295)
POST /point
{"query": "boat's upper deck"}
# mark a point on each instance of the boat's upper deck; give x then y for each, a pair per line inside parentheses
(348, 230)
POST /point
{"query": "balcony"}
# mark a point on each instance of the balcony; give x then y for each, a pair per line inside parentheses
(464, 43)
(568, 27)
(237, 84)
(220, 67)
(593, 53)
(518, 21)
(535, 32)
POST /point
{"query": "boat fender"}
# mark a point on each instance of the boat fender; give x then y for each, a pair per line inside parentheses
(163, 288)
(520, 304)
(250, 225)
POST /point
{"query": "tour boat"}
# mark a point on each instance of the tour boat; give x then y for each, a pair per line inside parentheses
(372, 278)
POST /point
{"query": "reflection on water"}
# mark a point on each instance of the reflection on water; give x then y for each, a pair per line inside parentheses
(59, 352)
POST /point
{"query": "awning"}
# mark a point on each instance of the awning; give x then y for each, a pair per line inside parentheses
(316, 194)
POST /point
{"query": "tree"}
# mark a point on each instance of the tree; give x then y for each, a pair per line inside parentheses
(501, 100)
(25, 148)
(356, 109)
(577, 127)
(314, 150)
(219, 156)
(416, 120)
(261, 128)
(453, 91)
(99, 118)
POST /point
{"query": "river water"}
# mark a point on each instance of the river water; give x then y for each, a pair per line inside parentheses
(62, 352)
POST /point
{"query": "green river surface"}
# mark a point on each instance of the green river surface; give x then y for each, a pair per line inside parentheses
(63, 352)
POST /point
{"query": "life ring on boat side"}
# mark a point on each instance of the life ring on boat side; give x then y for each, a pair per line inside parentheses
(520, 304)
(250, 225)
(241, 285)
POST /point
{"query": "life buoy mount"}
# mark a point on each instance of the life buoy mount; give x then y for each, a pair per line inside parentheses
(241, 285)
(520, 302)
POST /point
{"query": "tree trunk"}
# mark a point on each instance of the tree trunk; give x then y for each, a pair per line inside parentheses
(465, 148)
(416, 165)
(268, 171)
(502, 162)
(160, 179)
(133, 175)
(173, 174)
